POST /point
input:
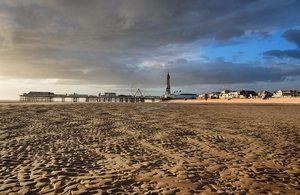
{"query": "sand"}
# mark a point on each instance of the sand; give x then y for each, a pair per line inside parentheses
(94, 148)
(284, 100)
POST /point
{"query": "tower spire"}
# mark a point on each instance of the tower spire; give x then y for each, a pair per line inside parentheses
(168, 88)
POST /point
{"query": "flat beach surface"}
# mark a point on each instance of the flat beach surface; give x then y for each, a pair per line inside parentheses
(93, 148)
(284, 100)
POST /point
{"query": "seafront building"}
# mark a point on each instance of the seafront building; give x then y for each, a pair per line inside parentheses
(229, 94)
(286, 93)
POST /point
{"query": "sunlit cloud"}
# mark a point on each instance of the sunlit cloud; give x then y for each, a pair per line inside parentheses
(116, 43)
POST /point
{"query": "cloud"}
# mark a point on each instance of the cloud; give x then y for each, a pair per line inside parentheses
(294, 53)
(292, 35)
(138, 24)
(183, 73)
(222, 72)
(119, 42)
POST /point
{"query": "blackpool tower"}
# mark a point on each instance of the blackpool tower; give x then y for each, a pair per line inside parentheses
(168, 88)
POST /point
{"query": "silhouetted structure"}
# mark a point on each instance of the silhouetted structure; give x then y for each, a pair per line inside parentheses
(168, 88)
(50, 97)
(248, 94)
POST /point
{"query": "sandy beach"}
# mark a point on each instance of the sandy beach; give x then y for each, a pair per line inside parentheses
(285, 100)
(90, 148)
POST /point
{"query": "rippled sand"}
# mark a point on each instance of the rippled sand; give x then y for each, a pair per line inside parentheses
(149, 148)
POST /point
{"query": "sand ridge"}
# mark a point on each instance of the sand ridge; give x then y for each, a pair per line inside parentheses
(149, 149)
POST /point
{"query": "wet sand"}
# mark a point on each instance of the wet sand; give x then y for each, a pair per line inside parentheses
(90, 148)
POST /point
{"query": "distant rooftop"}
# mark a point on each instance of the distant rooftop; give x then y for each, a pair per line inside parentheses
(38, 93)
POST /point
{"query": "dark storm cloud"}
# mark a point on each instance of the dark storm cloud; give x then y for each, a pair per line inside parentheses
(145, 23)
(294, 53)
(230, 73)
(116, 42)
(292, 35)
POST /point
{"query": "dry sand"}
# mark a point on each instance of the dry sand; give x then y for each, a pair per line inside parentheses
(90, 148)
(285, 100)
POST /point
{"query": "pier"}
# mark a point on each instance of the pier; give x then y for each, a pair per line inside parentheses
(52, 97)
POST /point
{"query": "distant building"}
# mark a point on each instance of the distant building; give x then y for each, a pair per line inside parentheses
(185, 96)
(264, 94)
(228, 94)
(149, 99)
(277, 94)
(211, 95)
(214, 95)
(168, 88)
(37, 96)
(234, 94)
(225, 94)
(76, 95)
(290, 93)
(247, 94)
(202, 96)
(110, 94)
(285, 93)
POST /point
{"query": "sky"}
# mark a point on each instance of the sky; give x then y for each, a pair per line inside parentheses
(92, 46)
